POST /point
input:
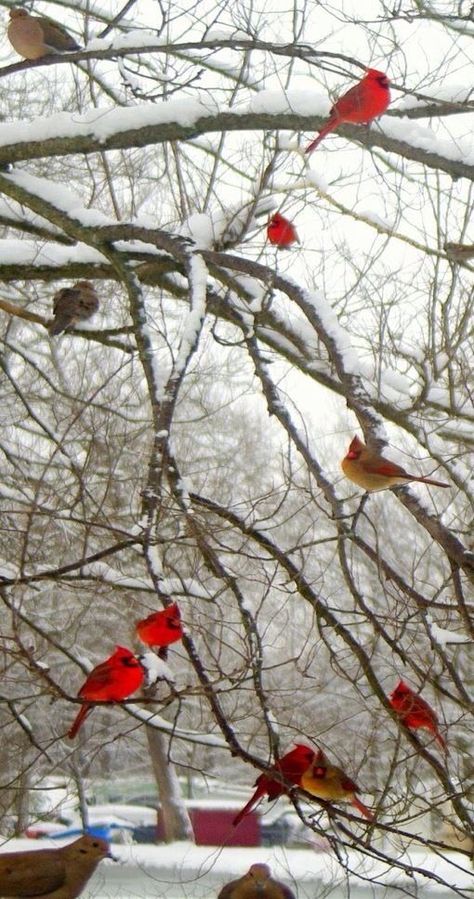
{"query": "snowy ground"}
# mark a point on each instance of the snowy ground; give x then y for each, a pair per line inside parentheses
(184, 871)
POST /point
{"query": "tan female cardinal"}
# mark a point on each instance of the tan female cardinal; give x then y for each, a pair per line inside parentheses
(372, 471)
(326, 781)
(365, 101)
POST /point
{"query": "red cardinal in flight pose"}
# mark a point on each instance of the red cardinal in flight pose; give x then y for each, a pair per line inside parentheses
(290, 768)
(161, 628)
(372, 471)
(111, 681)
(365, 101)
(280, 231)
(326, 781)
(415, 712)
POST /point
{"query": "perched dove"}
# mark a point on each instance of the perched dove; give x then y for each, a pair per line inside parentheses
(51, 873)
(257, 883)
(460, 252)
(36, 36)
(72, 305)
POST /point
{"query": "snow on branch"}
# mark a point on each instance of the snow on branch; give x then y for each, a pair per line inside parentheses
(153, 123)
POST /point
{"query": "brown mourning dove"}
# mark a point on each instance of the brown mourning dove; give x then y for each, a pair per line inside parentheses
(460, 252)
(51, 873)
(72, 305)
(36, 36)
(257, 883)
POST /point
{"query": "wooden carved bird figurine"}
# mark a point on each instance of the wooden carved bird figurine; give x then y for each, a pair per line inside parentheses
(257, 883)
(51, 873)
(36, 36)
(72, 305)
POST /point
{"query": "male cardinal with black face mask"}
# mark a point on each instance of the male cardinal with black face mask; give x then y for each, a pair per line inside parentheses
(326, 781)
(365, 101)
(161, 628)
(289, 768)
(111, 681)
(414, 712)
(372, 471)
(280, 231)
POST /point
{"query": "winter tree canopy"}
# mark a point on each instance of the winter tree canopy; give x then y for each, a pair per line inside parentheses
(183, 443)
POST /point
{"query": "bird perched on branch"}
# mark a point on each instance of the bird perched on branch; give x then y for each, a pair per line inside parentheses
(364, 101)
(161, 628)
(372, 471)
(281, 232)
(72, 305)
(257, 883)
(414, 712)
(111, 681)
(326, 781)
(272, 782)
(36, 36)
(51, 873)
(459, 252)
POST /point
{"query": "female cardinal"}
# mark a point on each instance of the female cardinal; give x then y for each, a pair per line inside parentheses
(280, 231)
(330, 783)
(161, 628)
(290, 768)
(415, 712)
(372, 471)
(111, 681)
(365, 101)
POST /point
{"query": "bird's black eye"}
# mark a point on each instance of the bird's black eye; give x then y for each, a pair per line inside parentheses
(84, 851)
(95, 845)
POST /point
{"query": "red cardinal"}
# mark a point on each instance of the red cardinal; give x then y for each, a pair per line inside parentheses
(111, 681)
(372, 471)
(161, 628)
(362, 103)
(280, 231)
(290, 767)
(328, 782)
(415, 712)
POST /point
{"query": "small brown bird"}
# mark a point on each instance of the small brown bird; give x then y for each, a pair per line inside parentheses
(36, 36)
(51, 873)
(257, 883)
(372, 471)
(72, 305)
(326, 781)
(460, 252)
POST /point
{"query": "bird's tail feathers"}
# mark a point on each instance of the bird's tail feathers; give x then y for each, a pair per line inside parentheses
(432, 481)
(362, 808)
(78, 720)
(326, 129)
(58, 325)
(247, 808)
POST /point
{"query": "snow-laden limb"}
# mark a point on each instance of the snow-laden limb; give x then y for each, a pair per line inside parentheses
(146, 124)
(153, 719)
(445, 637)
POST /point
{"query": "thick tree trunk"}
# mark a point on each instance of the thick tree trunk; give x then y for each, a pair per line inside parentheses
(176, 821)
